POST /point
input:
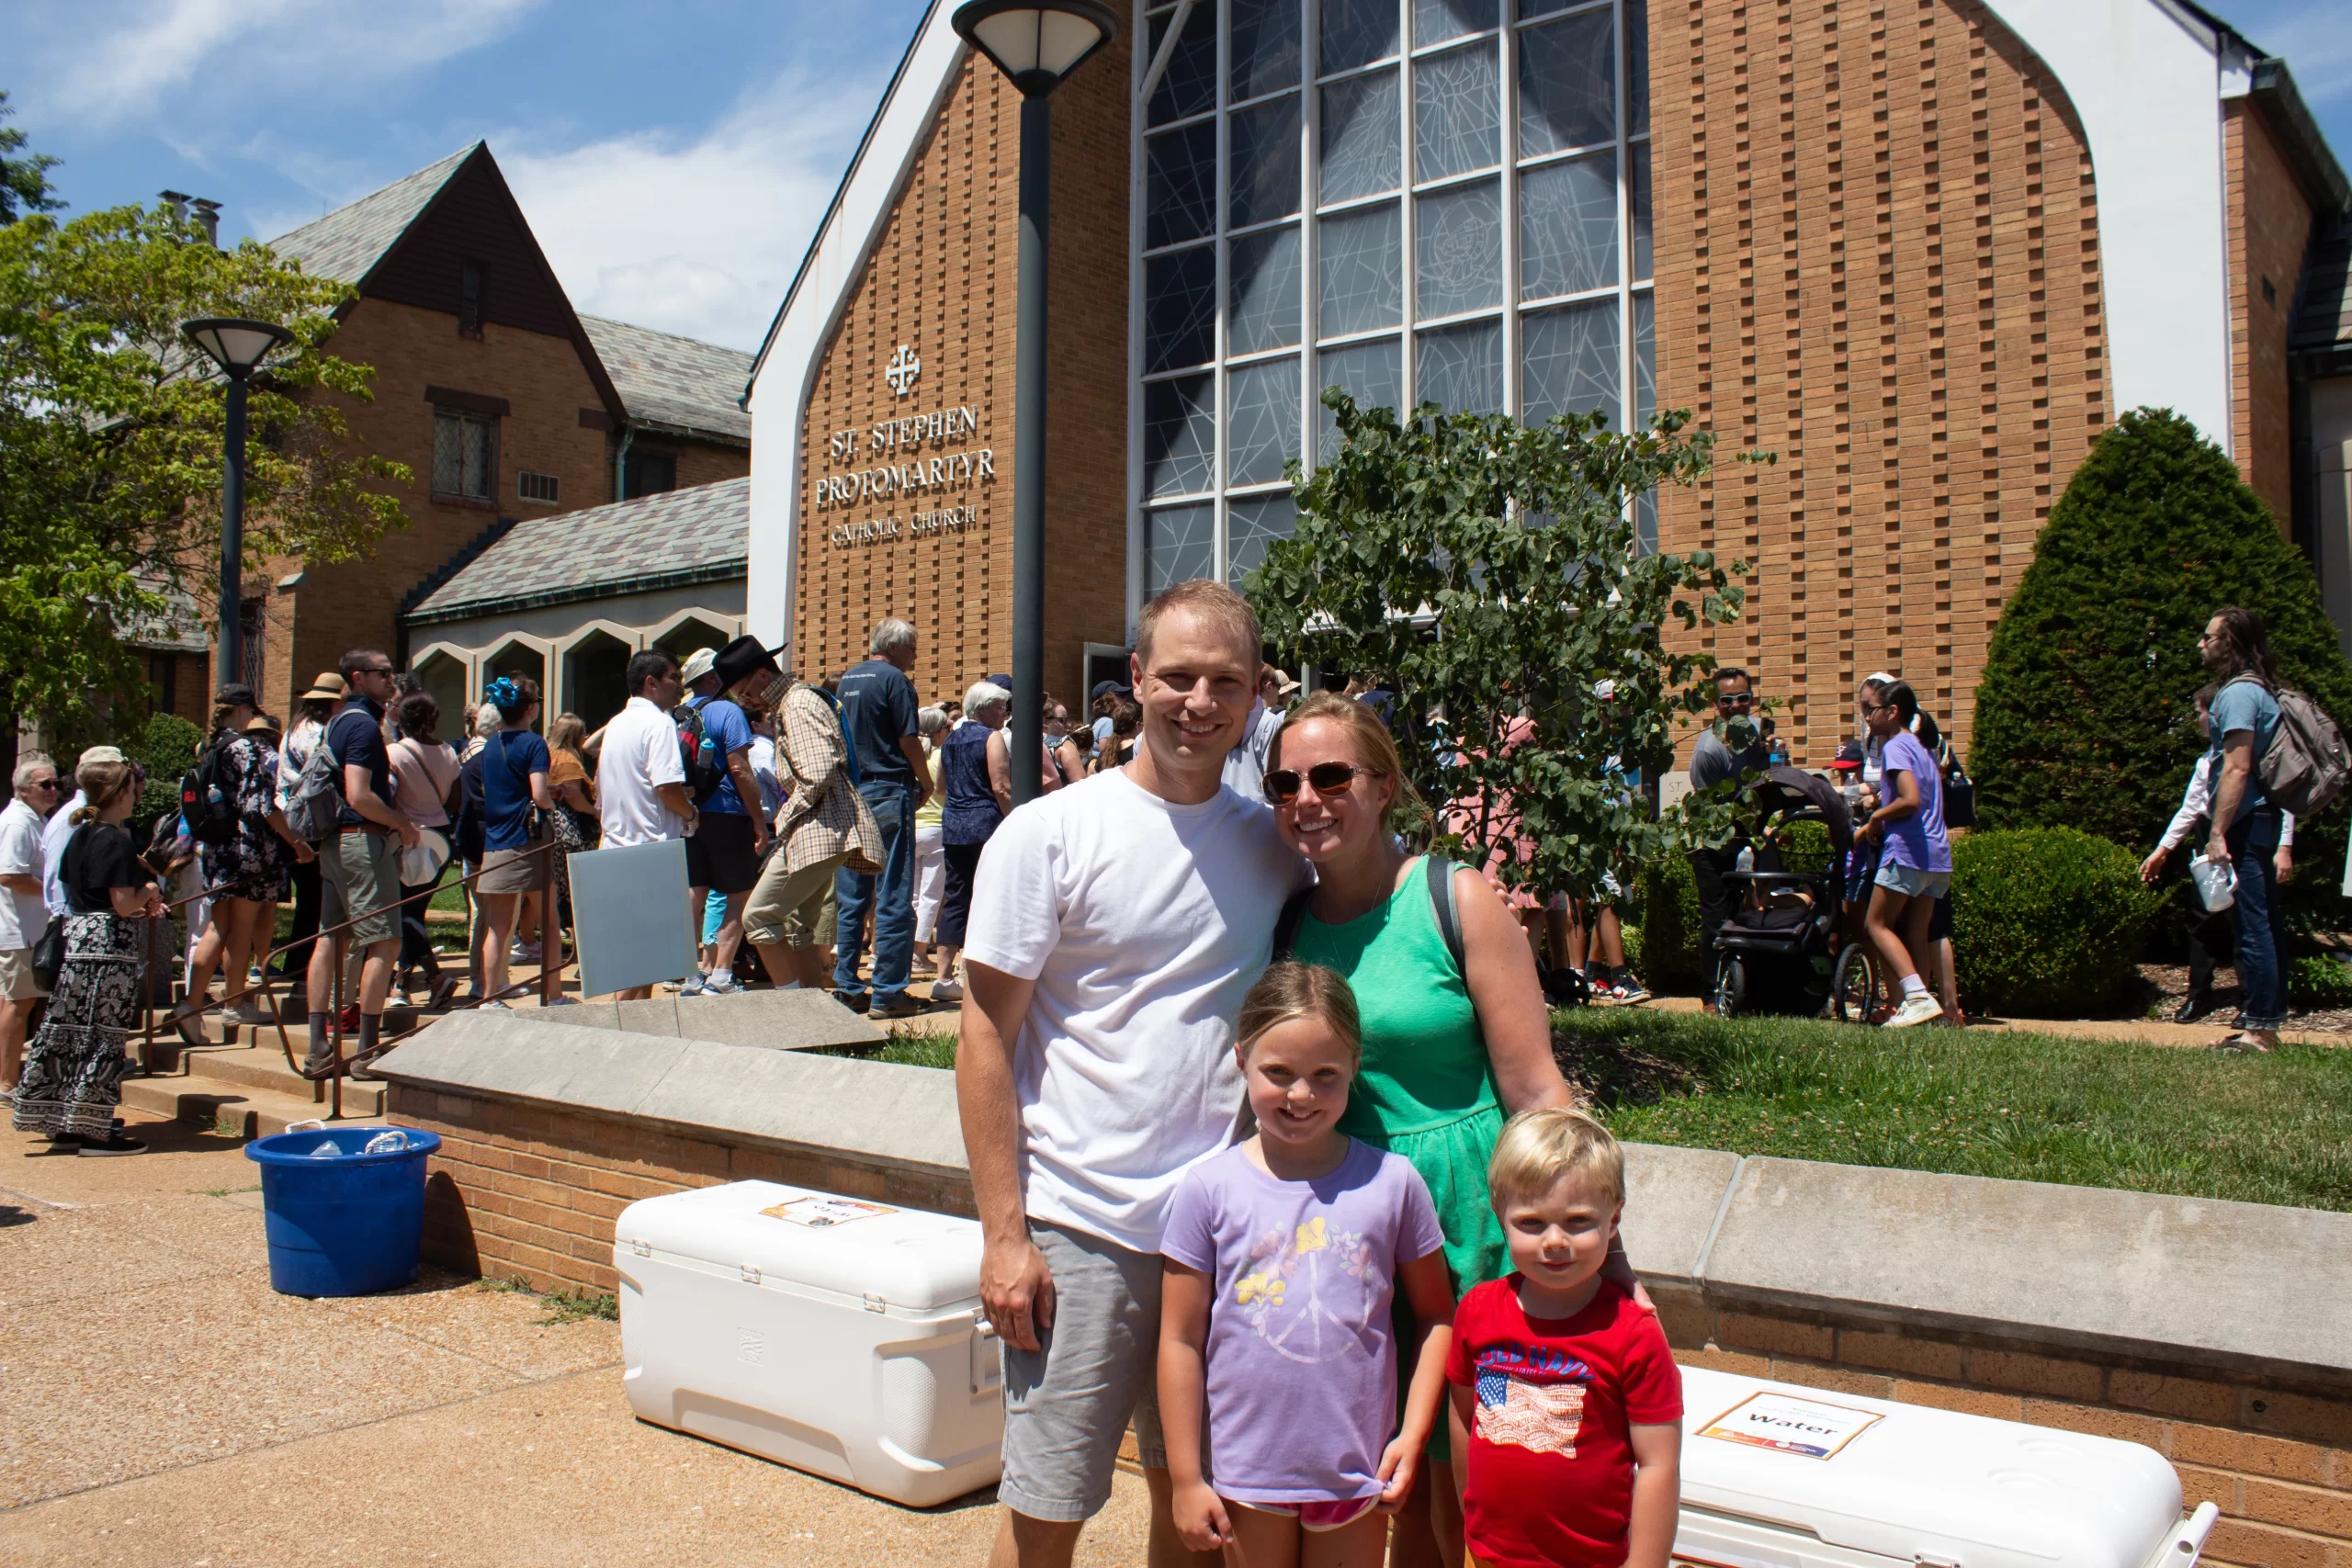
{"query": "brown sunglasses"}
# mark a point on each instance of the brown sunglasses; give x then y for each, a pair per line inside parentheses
(1329, 778)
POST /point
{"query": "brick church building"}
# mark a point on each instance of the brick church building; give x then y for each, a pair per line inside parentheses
(1922, 250)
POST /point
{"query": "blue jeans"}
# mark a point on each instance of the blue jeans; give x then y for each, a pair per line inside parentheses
(893, 907)
(2262, 921)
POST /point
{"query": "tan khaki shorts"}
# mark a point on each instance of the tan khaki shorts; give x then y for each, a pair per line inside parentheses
(509, 871)
(17, 982)
(789, 905)
(362, 875)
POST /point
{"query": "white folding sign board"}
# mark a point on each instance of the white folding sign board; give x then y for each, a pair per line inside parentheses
(630, 907)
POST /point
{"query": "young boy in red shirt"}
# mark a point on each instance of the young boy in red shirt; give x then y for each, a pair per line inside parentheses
(1566, 1385)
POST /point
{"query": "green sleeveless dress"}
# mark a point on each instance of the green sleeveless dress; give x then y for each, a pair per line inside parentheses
(1426, 1089)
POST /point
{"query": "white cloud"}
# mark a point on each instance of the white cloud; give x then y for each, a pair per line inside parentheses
(128, 58)
(699, 236)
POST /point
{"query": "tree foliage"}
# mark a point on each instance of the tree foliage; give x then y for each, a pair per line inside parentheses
(1490, 569)
(112, 434)
(2085, 716)
(24, 180)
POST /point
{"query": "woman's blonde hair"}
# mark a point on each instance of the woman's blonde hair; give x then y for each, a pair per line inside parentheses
(102, 783)
(1538, 1147)
(1289, 989)
(1373, 743)
(567, 732)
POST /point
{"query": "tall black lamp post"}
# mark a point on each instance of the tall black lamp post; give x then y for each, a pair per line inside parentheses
(1036, 47)
(237, 346)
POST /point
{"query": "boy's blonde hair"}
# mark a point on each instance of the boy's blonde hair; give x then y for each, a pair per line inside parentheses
(1538, 1147)
(1290, 989)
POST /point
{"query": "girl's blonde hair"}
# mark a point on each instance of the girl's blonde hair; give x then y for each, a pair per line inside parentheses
(1289, 989)
(1538, 1147)
(101, 784)
(567, 732)
(1374, 744)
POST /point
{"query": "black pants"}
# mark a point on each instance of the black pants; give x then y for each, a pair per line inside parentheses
(2213, 945)
(955, 905)
(416, 945)
(295, 959)
(1707, 868)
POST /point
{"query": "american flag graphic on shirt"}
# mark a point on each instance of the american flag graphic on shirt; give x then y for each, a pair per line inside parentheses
(1542, 1418)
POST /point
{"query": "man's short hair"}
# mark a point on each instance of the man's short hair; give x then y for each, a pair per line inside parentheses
(891, 635)
(650, 665)
(1538, 1147)
(29, 763)
(1733, 673)
(1210, 601)
(360, 658)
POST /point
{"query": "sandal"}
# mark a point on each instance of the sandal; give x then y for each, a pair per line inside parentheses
(2239, 1044)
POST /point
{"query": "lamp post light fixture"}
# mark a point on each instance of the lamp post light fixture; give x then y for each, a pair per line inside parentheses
(1036, 47)
(238, 347)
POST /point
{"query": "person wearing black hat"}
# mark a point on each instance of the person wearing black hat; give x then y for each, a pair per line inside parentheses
(246, 847)
(723, 854)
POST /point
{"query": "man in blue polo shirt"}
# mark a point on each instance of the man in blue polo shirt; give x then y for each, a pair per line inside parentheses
(723, 852)
(879, 712)
(360, 869)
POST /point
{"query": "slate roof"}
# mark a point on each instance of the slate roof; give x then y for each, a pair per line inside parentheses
(348, 243)
(681, 536)
(2324, 314)
(676, 381)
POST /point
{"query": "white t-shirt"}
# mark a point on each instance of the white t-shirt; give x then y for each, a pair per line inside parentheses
(1143, 923)
(640, 753)
(53, 839)
(23, 916)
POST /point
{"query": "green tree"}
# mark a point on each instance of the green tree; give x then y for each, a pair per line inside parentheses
(2085, 717)
(24, 181)
(111, 436)
(1491, 569)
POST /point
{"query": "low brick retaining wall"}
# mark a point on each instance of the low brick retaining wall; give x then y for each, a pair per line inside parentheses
(2218, 1333)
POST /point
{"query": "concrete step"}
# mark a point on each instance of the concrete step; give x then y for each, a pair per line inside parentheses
(264, 1068)
(239, 1110)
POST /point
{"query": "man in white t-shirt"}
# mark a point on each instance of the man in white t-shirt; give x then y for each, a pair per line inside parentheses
(23, 914)
(1115, 926)
(640, 778)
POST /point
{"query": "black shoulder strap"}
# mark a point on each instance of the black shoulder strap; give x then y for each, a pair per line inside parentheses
(1442, 903)
(1286, 924)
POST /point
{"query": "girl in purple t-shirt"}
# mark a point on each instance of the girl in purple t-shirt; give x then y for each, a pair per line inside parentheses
(1282, 1260)
(1916, 870)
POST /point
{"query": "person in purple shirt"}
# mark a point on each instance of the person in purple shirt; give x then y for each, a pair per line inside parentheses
(1916, 869)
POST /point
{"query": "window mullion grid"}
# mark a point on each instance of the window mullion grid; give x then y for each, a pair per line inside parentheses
(1508, 61)
(1138, 533)
(1311, 164)
(1220, 394)
(1626, 401)
(1408, 343)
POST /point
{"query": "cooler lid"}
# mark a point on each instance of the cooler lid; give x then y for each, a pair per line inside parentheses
(907, 1257)
(1911, 1483)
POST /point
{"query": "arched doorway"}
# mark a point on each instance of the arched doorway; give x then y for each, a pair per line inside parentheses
(681, 640)
(519, 659)
(596, 670)
(445, 676)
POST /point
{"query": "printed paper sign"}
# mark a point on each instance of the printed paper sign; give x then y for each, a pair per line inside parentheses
(822, 1214)
(1805, 1428)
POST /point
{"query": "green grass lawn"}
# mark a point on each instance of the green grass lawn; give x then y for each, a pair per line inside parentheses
(913, 1050)
(1986, 1102)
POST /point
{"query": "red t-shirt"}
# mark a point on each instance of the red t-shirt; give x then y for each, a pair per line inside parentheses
(1551, 1458)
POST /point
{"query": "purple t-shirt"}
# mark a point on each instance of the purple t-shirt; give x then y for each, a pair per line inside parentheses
(1919, 840)
(1301, 1384)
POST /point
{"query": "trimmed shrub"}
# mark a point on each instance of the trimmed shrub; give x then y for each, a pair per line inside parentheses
(166, 748)
(2320, 980)
(2047, 920)
(1668, 955)
(1805, 846)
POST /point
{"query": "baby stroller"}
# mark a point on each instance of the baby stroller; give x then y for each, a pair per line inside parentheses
(1784, 948)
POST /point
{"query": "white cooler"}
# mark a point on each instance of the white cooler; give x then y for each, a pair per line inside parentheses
(830, 1334)
(1779, 1476)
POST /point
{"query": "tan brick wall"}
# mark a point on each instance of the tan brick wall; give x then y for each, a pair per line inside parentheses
(706, 463)
(2277, 1460)
(1877, 257)
(941, 281)
(2270, 226)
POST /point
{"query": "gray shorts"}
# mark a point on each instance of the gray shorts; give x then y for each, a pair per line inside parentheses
(1912, 882)
(1067, 1406)
(360, 874)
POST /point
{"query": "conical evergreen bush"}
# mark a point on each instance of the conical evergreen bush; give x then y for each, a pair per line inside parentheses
(2085, 716)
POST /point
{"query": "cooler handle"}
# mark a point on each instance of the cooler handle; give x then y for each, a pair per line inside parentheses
(2182, 1547)
(988, 1359)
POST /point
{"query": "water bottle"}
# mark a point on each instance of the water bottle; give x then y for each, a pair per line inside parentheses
(326, 1151)
(391, 1141)
(2216, 882)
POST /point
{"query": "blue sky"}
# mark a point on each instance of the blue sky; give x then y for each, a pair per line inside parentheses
(674, 158)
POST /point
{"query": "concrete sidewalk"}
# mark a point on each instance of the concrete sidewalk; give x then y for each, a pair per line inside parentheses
(2148, 1031)
(165, 1406)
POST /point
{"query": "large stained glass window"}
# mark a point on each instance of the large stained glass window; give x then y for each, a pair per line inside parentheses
(1440, 200)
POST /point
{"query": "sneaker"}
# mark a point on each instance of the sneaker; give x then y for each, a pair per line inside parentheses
(946, 991)
(903, 1007)
(1631, 990)
(1916, 1009)
(495, 1007)
(523, 953)
(722, 984)
(693, 984)
(95, 1148)
(250, 1012)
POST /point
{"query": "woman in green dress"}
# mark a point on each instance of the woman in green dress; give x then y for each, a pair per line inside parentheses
(1450, 1050)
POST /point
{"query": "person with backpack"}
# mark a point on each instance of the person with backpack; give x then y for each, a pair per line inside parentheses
(245, 846)
(359, 857)
(515, 764)
(724, 851)
(1456, 1034)
(2244, 725)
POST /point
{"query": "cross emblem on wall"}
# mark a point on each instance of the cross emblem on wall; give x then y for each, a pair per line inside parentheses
(902, 370)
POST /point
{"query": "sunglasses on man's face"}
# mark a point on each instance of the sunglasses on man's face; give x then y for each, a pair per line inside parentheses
(1734, 699)
(42, 784)
(1329, 778)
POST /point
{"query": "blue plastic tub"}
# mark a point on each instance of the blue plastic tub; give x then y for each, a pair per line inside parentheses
(345, 1224)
